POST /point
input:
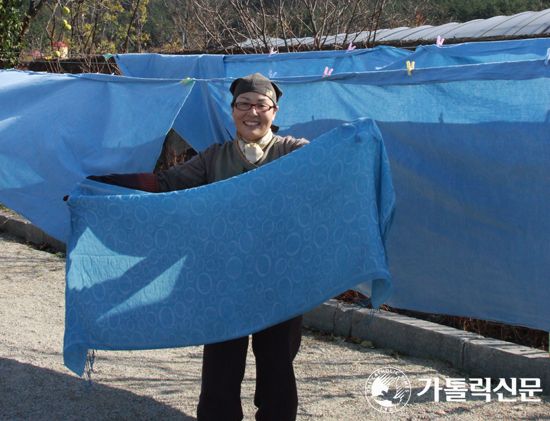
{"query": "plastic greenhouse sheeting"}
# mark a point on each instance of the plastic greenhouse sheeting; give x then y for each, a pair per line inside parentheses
(525, 23)
(228, 259)
(57, 129)
(233, 66)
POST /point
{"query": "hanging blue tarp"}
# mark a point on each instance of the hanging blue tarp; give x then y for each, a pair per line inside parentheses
(228, 259)
(205, 129)
(57, 129)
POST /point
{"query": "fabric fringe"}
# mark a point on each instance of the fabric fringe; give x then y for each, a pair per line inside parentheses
(366, 303)
(88, 370)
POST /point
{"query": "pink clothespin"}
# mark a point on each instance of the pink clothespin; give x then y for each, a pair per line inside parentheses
(327, 72)
(272, 51)
(439, 41)
(351, 47)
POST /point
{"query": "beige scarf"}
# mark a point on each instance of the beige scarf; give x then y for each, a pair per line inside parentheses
(253, 151)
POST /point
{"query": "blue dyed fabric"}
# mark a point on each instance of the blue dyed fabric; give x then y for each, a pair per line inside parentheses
(207, 66)
(56, 129)
(474, 53)
(159, 66)
(469, 148)
(225, 260)
(201, 111)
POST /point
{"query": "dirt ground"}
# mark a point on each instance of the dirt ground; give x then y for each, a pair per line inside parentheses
(165, 384)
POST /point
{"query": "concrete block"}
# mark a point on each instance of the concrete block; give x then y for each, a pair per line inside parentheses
(499, 359)
(343, 317)
(414, 337)
(17, 225)
(321, 317)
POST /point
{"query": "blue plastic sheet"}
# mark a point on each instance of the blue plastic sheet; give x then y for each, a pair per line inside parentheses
(57, 129)
(228, 259)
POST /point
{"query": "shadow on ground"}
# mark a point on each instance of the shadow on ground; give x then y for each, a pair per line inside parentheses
(54, 396)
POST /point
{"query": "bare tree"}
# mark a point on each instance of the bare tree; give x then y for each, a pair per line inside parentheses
(132, 20)
(412, 13)
(256, 26)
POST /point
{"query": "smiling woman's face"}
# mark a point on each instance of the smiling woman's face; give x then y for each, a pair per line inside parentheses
(251, 124)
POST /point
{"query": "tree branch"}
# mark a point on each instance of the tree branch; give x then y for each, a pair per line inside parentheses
(32, 11)
(125, 48)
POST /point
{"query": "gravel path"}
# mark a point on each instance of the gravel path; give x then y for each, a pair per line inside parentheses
(165, 384)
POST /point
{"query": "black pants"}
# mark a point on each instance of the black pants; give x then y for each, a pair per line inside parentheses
(223, 371)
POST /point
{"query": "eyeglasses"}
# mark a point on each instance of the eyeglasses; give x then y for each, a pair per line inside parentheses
(261, 108)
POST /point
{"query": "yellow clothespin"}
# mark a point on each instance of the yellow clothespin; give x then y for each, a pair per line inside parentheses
(410, 67)
(187, 81)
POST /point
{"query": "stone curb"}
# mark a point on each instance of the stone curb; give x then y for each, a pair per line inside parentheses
(469, 352)
(17, 225)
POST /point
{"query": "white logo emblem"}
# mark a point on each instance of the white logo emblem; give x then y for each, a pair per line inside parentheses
(388, 390)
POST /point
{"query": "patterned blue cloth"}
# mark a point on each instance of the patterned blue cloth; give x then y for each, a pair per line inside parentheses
(469, 148)
(473, 53)
(56, 129)
(228, 259)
